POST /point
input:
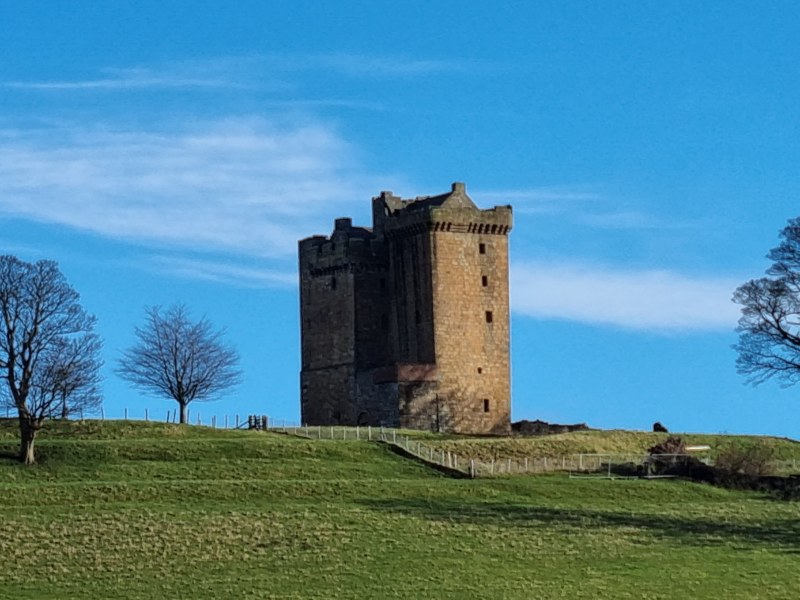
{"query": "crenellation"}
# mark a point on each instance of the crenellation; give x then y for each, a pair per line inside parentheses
(395, 317)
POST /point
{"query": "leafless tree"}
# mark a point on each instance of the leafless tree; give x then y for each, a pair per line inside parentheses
(49, 355)
(180, 359)
(769, 329)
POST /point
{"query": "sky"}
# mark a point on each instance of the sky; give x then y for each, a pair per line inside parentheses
(176, 151)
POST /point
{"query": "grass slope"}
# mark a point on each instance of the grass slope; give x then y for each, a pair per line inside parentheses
(132, 510)
(599, 442)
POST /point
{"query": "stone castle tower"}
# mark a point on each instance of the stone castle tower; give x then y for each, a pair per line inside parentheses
(407, 323)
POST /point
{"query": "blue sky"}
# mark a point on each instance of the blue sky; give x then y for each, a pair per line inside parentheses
(175, 151)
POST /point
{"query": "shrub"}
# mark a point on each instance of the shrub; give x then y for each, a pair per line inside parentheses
(755, 458)
(668, 457)
(672, 445)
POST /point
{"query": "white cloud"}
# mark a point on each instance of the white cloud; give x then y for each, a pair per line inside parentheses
(130, 79)
(356, 65)
(244, 185)
(629, 219)
(546, 195)
(654, 300)
(248, 72)
(545, 200)
(226, 272)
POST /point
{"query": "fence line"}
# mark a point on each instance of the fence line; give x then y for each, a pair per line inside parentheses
(193, 417)
(576, 465)
(608, 465)
(394, 437)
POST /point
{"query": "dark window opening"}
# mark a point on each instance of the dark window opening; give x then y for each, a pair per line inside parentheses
(482, 248)
(485, 405)
(333, 283)
(480, 370)
(382, 283)
(488, 316)
(484, 280)
(417, 316)
(385, 322)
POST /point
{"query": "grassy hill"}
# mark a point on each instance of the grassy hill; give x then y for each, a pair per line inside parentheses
(599, 442)
(135, 510)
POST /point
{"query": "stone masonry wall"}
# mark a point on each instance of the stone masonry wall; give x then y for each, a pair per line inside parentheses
(408, 323)
(471, 287)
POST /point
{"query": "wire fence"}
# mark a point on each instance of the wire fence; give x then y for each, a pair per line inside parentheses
(607, 465)
(193, 417)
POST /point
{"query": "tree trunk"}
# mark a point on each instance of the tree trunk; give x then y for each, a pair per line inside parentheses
(183, 406)
(28, 436)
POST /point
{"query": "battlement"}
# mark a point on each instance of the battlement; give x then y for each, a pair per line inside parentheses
(453, 212)
(348, 249)
(406, 323)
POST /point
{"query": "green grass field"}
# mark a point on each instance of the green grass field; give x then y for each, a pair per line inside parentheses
(601, 442)
(134, 510)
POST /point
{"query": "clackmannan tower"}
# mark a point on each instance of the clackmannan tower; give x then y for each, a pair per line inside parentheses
(407, 323)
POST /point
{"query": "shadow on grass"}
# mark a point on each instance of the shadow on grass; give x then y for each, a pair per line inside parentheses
(9, 456)
(689, 530)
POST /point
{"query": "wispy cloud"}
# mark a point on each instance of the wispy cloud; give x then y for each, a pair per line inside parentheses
(580, 205)
(244, 185)
(259, 71)
(653, 300)
(359, 65)
(13, 247)
(131, 79)
(547, 194)
(545, 200)
(227, 272)
(628, 219)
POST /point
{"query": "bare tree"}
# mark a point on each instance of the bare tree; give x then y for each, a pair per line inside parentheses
(769, 329)
(69, 380)
(180, 359)
(49, 355)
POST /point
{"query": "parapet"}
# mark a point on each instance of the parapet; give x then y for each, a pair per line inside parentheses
(347, 248)
(453, 211)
